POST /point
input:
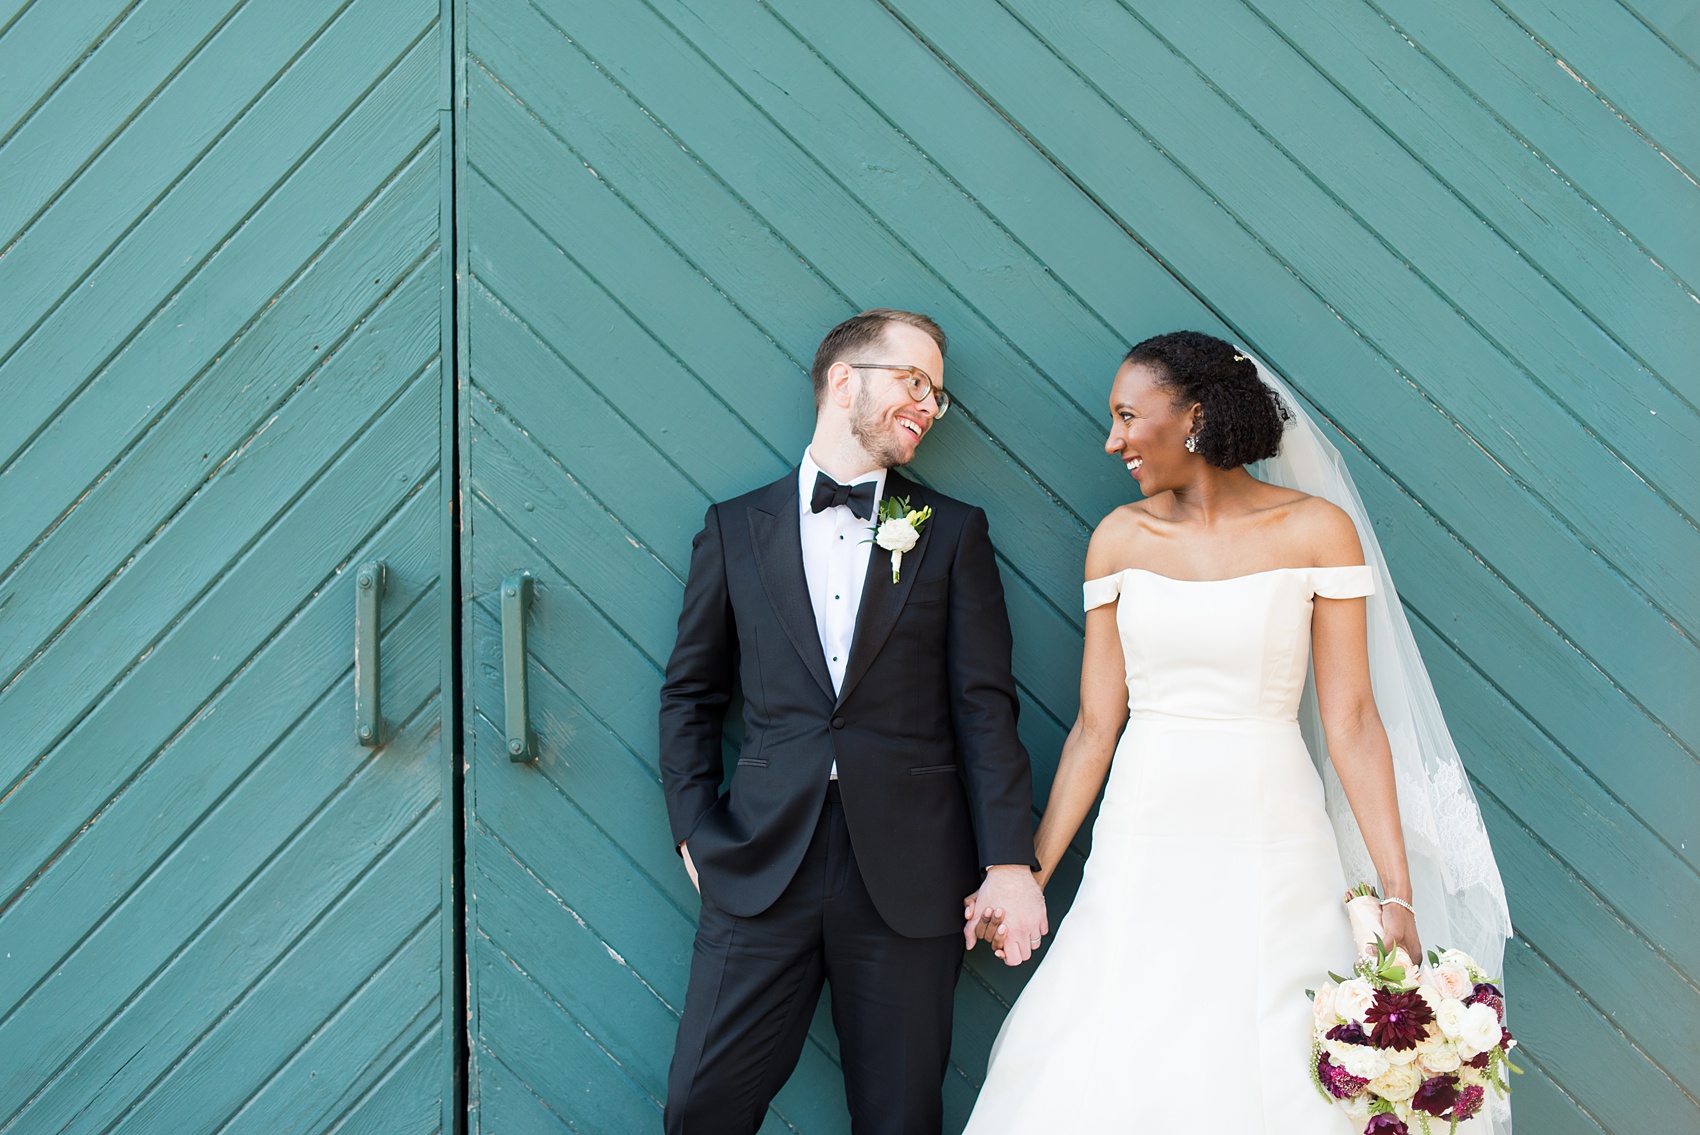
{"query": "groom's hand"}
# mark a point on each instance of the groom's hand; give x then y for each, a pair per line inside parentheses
(1013, 906)
(690, 868)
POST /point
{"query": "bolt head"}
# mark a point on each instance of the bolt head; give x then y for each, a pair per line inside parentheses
(512, 591)
(365, 581)
(366, 732)
(516, 746)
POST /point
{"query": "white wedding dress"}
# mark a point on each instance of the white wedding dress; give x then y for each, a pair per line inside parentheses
(1172, 998)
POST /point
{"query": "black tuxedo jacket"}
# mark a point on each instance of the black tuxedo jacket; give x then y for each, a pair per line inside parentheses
(934, 781)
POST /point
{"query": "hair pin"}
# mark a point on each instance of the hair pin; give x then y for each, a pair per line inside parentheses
(1239, 358)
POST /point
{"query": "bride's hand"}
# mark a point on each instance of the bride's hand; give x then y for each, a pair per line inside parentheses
(1399, 927)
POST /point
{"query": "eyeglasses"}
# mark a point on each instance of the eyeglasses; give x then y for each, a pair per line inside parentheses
(919, 382)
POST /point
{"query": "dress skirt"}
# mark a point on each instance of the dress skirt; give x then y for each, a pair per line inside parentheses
(1172, 997)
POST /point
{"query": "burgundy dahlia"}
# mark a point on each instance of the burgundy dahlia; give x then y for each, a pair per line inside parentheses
(1469, 1102)
(1399, 1020)
(1386, 1124)
(1486, 994)
(1341, 1084)
(1479, 1060)
(1351, 1033)
(1437, 1095)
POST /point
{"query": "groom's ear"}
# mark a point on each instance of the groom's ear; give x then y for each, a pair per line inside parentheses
(839, 376)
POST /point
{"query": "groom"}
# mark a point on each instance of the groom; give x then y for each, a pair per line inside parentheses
(880, 779)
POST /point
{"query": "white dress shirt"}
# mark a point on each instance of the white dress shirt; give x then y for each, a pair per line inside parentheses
(836, 546)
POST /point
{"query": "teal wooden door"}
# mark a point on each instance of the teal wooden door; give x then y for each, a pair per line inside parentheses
(1460, 231)
(220, 357)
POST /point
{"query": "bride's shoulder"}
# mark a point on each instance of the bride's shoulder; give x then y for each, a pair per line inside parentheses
(1117, 538)
(1325, 530)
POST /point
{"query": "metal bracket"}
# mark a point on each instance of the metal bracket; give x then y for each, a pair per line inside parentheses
(516, 702)
(369, 584)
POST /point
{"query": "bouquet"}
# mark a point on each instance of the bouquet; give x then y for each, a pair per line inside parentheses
(1404, 1048)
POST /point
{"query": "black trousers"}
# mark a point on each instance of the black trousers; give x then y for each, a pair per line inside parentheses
(753, 989)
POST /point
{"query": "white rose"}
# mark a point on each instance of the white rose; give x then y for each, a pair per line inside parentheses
(1359, 1060)
(1399, 1082)
(1400, 1055)
(897, 535)
(1324, 1007)
(1437, 1056)
(1449, 1015)
(1453, 980)
(1353, 998)
(1479, 1027)
(1458, 958)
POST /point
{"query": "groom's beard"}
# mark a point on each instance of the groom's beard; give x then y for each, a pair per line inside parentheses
(866, 428)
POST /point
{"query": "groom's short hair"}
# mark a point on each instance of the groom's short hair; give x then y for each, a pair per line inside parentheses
(861, 331)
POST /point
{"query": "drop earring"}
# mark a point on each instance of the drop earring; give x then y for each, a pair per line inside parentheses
(1192, 443)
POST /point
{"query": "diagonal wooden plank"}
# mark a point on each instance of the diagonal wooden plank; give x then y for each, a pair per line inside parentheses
(339, 1051)
(41, 44)
(236, 607)
(1522, 541)
(1537, 443)
(1650, 886)
(1559, 119)
(1467, 145)
(120, 75)
(1581, 1050)
(1567, 920)
(503, 1103)
(1575, 358)
(357, 1063)
(256, 212)
(962, 458)
(248, 718)
(404, 1102)
(1674, 21)
(216, 423)
(260, 867)
(1625, 65)
(552, 1055)
(789, 188)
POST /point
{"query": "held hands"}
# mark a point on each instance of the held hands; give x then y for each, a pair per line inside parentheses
(1008, 911)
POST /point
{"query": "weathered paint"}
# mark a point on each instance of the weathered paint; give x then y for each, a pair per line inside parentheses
(1466, 233)
(220, 356)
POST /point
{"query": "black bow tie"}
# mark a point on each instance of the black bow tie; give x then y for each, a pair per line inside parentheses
(859, 498)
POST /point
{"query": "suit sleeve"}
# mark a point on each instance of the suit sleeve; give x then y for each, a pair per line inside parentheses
(983, 702)
(698, 686)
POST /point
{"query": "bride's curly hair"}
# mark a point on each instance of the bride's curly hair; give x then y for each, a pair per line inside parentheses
(1243, 419)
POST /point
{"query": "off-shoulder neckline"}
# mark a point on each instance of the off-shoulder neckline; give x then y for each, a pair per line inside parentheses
(1230, 578)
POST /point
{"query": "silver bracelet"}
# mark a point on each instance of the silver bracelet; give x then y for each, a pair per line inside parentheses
(1400, 902)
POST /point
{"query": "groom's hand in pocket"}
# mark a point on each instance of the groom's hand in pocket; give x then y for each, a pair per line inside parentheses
(690, 868)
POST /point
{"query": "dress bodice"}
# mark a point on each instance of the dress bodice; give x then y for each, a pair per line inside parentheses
(1222, 648)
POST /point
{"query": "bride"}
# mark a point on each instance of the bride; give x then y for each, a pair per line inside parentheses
(1173, 996)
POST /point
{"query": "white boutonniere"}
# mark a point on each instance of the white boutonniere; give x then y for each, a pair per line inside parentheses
(899, 529)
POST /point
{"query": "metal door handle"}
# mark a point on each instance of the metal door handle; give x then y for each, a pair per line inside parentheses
(516, 705)
(368, 716)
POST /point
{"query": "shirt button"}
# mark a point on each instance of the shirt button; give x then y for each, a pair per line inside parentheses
(838, 723)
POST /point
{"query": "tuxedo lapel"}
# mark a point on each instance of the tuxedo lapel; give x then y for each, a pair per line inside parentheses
(882, 600)
(777, 545)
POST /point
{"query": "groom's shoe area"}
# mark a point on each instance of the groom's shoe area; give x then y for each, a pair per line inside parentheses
(755, 983)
